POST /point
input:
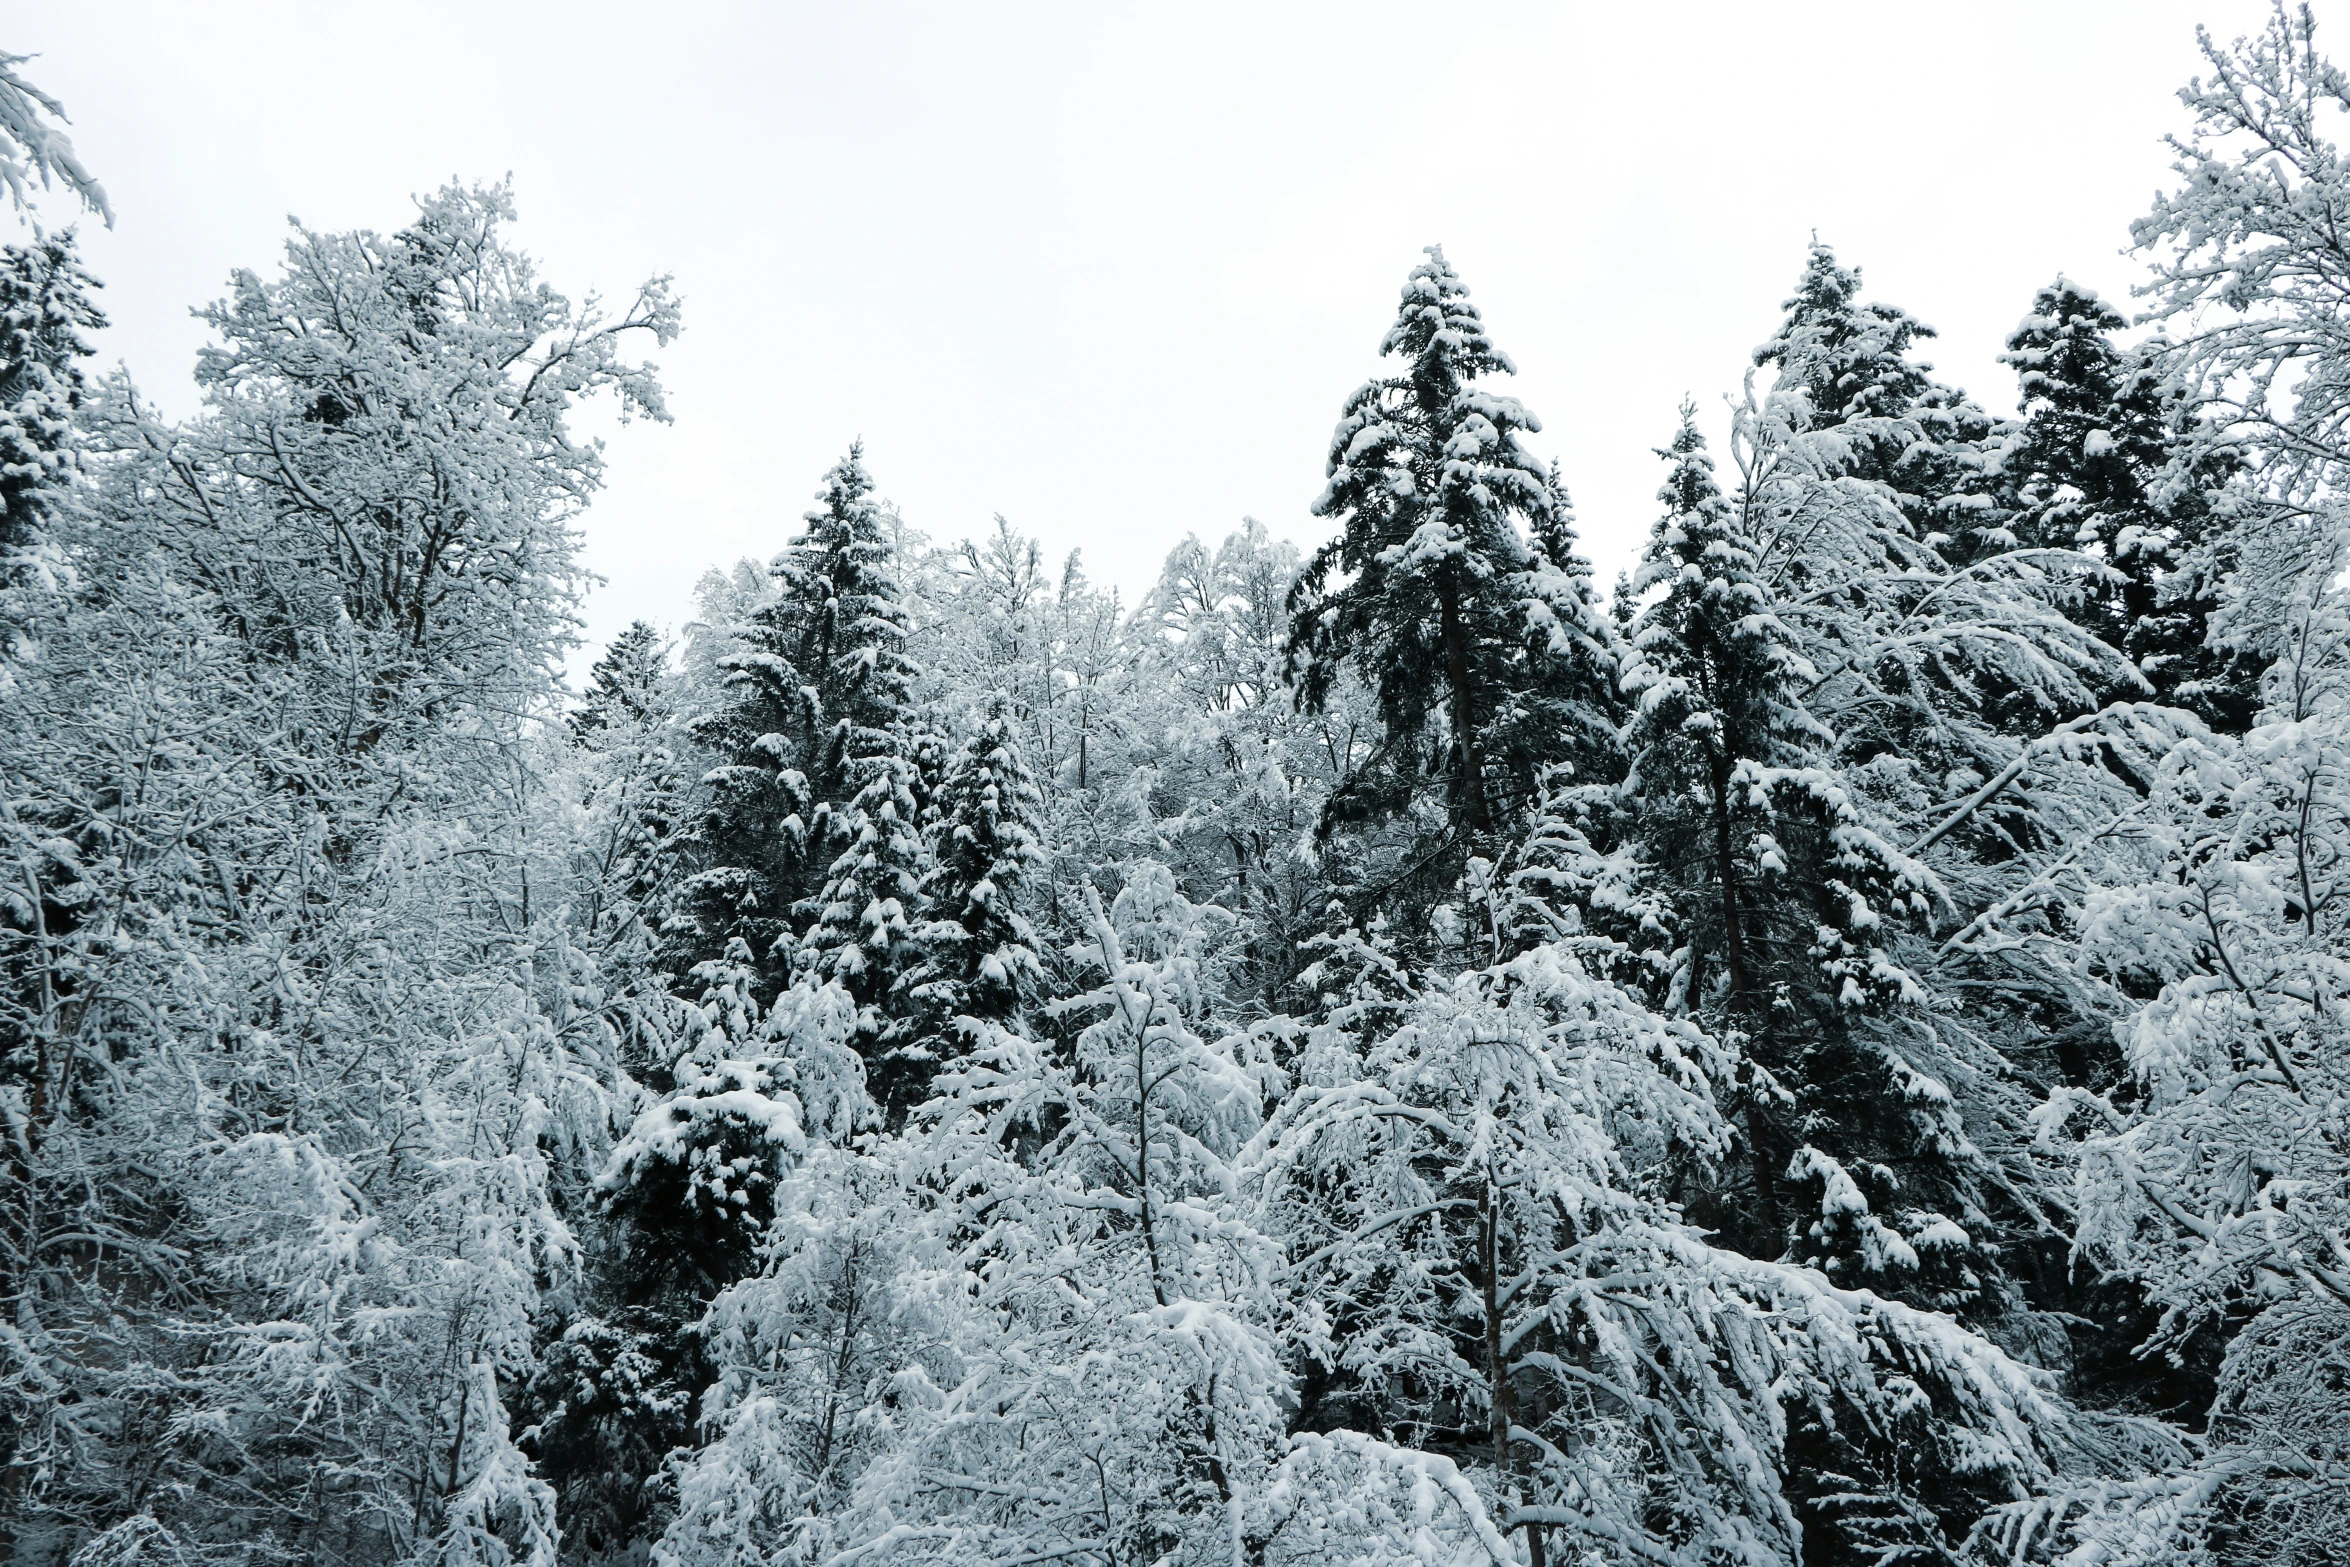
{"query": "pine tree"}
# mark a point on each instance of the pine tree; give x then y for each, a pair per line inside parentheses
(632, 788)
(1850, 362)
(978, 951)
(861, 925)
(1452, 588)
(45, 312)
(1785, 907)
(1715, 681)
(624, 686)
(817, 686)
(842, 599)
(2106, 461)
(1787, 900)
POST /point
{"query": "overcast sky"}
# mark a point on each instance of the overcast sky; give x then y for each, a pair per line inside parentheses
(1110, 270)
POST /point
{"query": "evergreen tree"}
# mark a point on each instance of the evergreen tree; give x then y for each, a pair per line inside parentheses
(1850, 363)
(860, 926)
(45, 310)
(1716, 685)
(1452, 588)
(818, 685)
(624, 686)
(1787, 901)
(632, 789)
(978, 951)
(2105, 462)
(841, 598)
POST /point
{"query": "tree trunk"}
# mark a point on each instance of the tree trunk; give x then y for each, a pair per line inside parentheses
(1464, 717)
(1502, 1398)
(1744, 1001)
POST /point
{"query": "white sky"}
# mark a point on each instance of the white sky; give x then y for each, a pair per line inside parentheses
(1108, 269)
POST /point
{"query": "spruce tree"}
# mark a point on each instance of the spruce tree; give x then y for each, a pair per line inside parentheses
(45, 312)
(1716, 681)
(860, 926)
(1777, 906)
(1787, 901)
(624, 686)
(1850, 362)
(633, 789)
(1452, 588)
(2105, 461)
(818, 684)
(978, 951)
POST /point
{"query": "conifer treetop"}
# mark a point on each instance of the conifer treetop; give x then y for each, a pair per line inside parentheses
(1432, 434)
(1850, 359)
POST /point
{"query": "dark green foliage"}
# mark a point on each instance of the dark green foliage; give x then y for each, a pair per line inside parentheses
(861, 925)
(1452, 589)
(45, 310)
(2106, 461)
(612, 1397)
(627, 726)
(978, 951)
(817, 687)
(625, 687)
(1771, 904)
(1923, 442)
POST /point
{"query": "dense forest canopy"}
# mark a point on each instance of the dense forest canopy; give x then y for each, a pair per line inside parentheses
(1831, 1048)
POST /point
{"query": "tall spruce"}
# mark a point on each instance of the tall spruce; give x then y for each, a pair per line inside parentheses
(2106, 460)
(817, 685)
(1785, 903)
(45, 313)
(632, 791)
(978, 950)
(1716, 686)
(1850, 360)
(1452, 588)
(1788, 901)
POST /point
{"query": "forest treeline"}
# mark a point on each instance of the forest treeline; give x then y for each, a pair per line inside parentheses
(1834, 1049)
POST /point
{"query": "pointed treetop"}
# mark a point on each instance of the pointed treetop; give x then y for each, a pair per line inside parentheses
(1850, 359)
(1689, 489)
(1457, 442)
(624, 686)
(1437, 322)
(846, 487)
(2061, 352)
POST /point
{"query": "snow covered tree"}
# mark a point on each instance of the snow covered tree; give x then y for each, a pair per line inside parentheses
(624, 686)
(46, 310)
(307, 1059)
(842, 606)
(1897, 427)
(1451, 587)
(630, 787)
(695, 1193)
(801, 1350)
(2213, 1173)
(1495, 1280)
(1080, 1350)
(2106, 462)
(1236, 772)
(2245, 254)
(978, 950)
(861, 934)
(817, 685)
(1782, 886)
